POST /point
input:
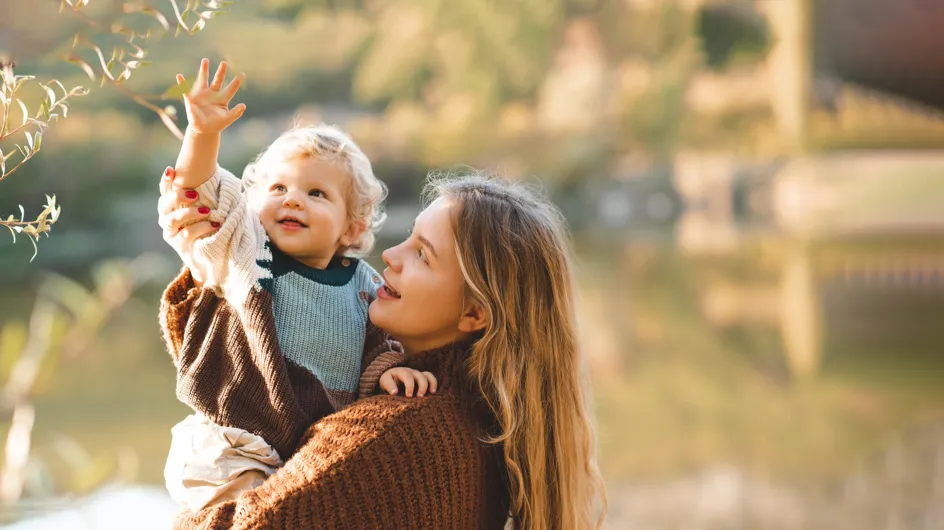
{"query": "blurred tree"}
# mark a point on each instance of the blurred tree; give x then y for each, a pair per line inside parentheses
(117, 30)
(560, 86)
(65, 320)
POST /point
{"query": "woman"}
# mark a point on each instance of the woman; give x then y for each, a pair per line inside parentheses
(491, 315)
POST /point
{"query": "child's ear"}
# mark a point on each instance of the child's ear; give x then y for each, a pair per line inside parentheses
(474, 317)
(355, 229)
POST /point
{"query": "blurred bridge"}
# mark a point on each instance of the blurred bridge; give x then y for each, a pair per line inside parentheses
(859, 235)
(893, 46)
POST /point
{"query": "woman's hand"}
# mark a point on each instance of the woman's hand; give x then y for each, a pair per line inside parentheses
(182, 222)
(207, 105)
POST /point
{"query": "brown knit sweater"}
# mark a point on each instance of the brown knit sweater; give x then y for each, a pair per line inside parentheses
(230, 367)
(382, 462)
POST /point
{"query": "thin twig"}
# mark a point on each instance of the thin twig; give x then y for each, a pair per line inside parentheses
(29, 121)
(8, 173)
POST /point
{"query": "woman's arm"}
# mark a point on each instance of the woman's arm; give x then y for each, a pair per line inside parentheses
(340, 474)
(381, 463)
(226, 258)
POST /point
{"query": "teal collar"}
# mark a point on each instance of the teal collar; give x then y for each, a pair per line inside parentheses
(339, 271)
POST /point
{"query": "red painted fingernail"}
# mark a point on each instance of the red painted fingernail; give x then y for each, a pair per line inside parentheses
(191, 194)
(168, 172)
(214, 224)
(203, 210)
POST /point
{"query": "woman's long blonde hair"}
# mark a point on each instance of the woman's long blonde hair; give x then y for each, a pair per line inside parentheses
(514, 252)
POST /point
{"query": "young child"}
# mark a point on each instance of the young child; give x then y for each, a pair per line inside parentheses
(285, 293)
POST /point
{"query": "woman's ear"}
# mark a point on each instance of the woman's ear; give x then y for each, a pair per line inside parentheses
(474, 317)
(355, 229)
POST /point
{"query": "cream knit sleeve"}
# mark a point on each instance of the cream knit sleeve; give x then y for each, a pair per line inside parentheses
(228, 258)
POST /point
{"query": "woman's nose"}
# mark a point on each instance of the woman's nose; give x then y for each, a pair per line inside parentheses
(389, 257)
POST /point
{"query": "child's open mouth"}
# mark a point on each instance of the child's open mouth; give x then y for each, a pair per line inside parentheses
(292, 223)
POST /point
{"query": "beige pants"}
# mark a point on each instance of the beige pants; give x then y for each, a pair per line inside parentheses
(209, 464)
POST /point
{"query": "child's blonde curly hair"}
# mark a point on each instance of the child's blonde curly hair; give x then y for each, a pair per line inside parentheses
(366, 193)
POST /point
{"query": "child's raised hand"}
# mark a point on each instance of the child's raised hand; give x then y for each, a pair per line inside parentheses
(410, 378)
(208, 104)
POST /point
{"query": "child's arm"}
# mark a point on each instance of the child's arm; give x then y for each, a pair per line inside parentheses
(381, 353)
(208, 113)
(381, 367)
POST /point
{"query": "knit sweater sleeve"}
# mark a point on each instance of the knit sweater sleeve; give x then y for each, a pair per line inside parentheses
(381, 353)
(228, 257)
(232, 373)
(355, 473)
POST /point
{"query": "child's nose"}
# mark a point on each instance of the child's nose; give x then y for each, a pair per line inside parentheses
(290, 202)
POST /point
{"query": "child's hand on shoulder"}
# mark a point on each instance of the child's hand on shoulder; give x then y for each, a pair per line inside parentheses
(410, 378)
(207, 104)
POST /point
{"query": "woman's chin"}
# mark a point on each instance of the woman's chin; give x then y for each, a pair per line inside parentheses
(377, 313)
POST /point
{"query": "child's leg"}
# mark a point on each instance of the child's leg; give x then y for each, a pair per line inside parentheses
(209, 464)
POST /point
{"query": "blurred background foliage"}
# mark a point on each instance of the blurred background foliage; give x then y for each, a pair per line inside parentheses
(759, 245)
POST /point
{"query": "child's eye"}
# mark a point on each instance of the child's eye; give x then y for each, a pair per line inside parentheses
(316, 193)
(277, 187)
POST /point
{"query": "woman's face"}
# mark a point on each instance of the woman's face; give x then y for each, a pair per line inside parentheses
(423, 302)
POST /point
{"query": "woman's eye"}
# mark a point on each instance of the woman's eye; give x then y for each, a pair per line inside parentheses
(316, 193)
(421, 254)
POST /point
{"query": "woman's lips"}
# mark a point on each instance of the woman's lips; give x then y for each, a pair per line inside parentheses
(387, 294)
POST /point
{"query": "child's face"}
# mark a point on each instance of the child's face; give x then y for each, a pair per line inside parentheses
(302, 204)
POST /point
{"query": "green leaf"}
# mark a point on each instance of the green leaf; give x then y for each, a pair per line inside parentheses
(35, 250)
(86, 67)
(176, 91)
(25, 112)
(51, 93)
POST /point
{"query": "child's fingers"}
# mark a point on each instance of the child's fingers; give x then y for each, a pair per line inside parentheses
(408, 384)
(433, 383)
(180, 79)
(234, 113)
(219, 77)
(203, 73)
(233, 87)
(388, 384)
(422, 385)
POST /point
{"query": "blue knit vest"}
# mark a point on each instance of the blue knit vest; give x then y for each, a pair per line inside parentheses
(321, 315)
